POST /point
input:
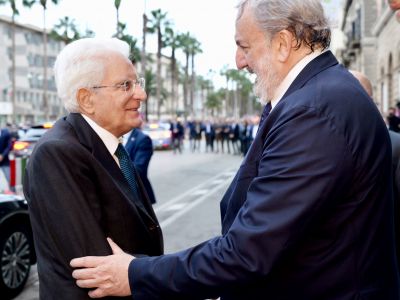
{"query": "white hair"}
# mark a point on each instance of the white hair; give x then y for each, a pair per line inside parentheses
(81, 65)
(304, 18)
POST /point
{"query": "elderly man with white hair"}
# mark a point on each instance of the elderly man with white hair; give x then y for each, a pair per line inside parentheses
(80, 186)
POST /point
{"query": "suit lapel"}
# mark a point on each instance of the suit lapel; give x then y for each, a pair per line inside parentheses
(92, 141)
(317, 65)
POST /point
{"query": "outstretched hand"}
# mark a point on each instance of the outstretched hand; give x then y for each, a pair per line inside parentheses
(106, 275)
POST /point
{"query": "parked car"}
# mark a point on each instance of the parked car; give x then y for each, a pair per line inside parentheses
(17, 252)
(160, 134)
(25, 144)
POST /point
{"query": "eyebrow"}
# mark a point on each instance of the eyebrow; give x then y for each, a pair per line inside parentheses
(126, 79)
(241, 44)
(239, 41)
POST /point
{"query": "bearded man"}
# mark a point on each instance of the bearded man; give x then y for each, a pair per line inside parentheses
(309, 213)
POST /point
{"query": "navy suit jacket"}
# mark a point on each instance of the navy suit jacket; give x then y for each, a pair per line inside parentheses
(140, 149)
(5, 146)
(77, 197)
(309, 214)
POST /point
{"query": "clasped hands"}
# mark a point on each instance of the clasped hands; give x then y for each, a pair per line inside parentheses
(105, 275)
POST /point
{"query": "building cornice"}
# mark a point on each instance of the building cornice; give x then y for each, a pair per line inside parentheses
(8, 20)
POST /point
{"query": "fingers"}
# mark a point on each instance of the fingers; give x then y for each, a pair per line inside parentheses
(97, 293)
(86, 262)
(81, 274)
(87, 283)
(114, 247)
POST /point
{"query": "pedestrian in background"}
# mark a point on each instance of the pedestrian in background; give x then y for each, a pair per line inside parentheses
(140, 149)
(395, 142)
(393, 120)
(309, 213)
(5, 148)
(209, 134)
(177, 135)
(80, 184)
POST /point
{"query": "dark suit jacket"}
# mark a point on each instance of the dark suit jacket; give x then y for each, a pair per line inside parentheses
(309, 213)
(395, 140)
(5, 146)
(140, 149)
(77, 197)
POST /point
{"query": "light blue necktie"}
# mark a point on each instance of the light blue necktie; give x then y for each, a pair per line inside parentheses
(127, 168)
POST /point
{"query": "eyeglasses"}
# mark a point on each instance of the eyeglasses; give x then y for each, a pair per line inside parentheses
(126, 86)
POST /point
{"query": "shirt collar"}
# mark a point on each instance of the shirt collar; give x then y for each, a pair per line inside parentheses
(110, 141)
(291, 76)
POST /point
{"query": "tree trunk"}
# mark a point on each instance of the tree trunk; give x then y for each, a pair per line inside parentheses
(158, 89)
(192, 87)
(143, 61)
(118, 35)
(13, 104)
(173, 80)
(45, 99)
(185, 84)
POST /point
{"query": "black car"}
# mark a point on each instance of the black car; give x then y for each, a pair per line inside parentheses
(17, 253)
(25, 144)
(160, 135)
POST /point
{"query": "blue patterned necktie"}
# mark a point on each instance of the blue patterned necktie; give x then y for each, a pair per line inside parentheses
(266, 112)
(127, 168)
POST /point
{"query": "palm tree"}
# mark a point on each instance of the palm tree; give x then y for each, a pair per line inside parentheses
(65, 30)
(243, 100)
(214, 101)
(134, 50)
(43, 3)
(13, 85)
(157, 24)
(117, 3)
(173, 41)
(247, 98)
(204, 85)
(186, 42)
(149, 88)
(232, 77)
(195, 49)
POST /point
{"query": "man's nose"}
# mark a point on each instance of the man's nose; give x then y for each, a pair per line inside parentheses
(240, 60)
(140, 94)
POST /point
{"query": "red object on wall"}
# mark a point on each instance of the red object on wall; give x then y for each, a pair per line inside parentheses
(394, 4)
(13, 173)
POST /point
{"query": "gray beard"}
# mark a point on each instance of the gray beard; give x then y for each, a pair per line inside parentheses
(264, 89)
(266, 83)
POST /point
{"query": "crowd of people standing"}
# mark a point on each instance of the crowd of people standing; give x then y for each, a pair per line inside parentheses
(221, 135)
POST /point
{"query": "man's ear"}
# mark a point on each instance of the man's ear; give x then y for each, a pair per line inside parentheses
(285, 42)
(85, 101)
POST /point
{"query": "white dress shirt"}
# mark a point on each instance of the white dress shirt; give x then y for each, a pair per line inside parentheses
(291, 76)
(110, 141)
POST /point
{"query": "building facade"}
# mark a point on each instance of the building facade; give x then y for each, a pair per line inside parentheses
(372, 46)
(33, 103)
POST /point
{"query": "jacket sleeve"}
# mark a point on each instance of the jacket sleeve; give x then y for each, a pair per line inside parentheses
(305, 162)
(65, 212)
(8, 143)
